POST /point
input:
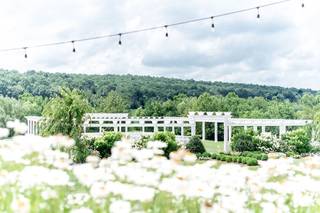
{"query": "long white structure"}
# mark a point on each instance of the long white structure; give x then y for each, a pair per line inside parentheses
(97, 123)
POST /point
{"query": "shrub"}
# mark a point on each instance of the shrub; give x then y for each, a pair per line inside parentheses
(206, 154)
(239, 160)
(315, 147)
(195, 145)
(229, 159)
(264, 157)
(142, 143)
(298, 140)
(164, 136)
(81, 150)
(251, 162)
(105, 143)
(243, 160)
(170, 139)
(256, 155)
(244, 141)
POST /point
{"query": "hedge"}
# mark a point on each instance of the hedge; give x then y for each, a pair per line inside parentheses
(250, 161)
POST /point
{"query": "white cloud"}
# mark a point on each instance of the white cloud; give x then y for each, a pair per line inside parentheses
(282, 48)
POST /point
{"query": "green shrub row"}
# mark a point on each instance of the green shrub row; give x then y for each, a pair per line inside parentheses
(256, 155)
(229, 158)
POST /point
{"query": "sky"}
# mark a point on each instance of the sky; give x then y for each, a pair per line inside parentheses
(281, 48)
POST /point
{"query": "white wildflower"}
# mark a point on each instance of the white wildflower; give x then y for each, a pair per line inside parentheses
(20, 204)
(120, 206)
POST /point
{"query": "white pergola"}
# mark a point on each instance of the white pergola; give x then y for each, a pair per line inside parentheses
(96, 123)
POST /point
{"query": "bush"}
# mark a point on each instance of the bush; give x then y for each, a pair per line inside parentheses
(256, 155)
(213, 156)
(298, 140)
(243, 160)
(105, 143)
(81, 150)
(195, 145)
(270, 143)
(239, 160)
(229, 159)
(142, 143)
(170, 139)
(244, 141)
(251, 162)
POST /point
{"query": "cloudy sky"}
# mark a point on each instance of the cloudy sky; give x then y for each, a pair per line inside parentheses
(282, 48)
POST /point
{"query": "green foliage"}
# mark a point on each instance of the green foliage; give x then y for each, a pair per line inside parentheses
(316, 125)
(170, 139)
(244, 141)
(298, 140)
(11, 108)
(250, 161)
(142, 143)
(105, 143)
(113, 103)
(256, 155)
(64, 114)
(82, 149)
(195, 145)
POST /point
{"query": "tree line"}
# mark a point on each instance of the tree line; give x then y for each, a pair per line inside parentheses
(33, 93)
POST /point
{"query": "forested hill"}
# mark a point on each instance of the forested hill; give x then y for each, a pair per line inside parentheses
(137, 88)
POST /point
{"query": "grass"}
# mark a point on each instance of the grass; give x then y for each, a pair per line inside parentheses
(213, 147)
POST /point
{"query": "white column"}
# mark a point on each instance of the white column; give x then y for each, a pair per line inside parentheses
(203, 130)
(282, 130)
(32, 127)
(255, 128)
(245, 128)
(225, 138)
(230, 133)
(182, 131)
(193, 129)
(263, 129)
(216, 132)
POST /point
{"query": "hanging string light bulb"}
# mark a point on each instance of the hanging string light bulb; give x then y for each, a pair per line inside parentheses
(25, 52)
(212, 22)
(302, 4)
(258, 10)
(167, 33)
(120, 42)
(73, 47)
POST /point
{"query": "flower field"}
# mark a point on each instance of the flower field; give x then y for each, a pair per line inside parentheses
(37, 176)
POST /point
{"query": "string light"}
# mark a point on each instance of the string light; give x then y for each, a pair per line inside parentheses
(167, 33)
(25, 52)
(212, 22)
(120, 42)
(153, 28)
(73, 47)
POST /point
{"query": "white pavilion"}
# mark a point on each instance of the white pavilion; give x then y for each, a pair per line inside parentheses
(183, 127)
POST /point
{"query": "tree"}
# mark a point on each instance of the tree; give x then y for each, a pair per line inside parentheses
(316, 126)
(195, 145)
(64, 114)
(113, 103)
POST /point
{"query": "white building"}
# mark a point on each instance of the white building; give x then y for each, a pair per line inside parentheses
(183, 127)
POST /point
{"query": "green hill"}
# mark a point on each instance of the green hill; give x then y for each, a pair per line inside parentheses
(138, 89)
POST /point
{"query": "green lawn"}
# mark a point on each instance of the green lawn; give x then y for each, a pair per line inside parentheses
(212, 146)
